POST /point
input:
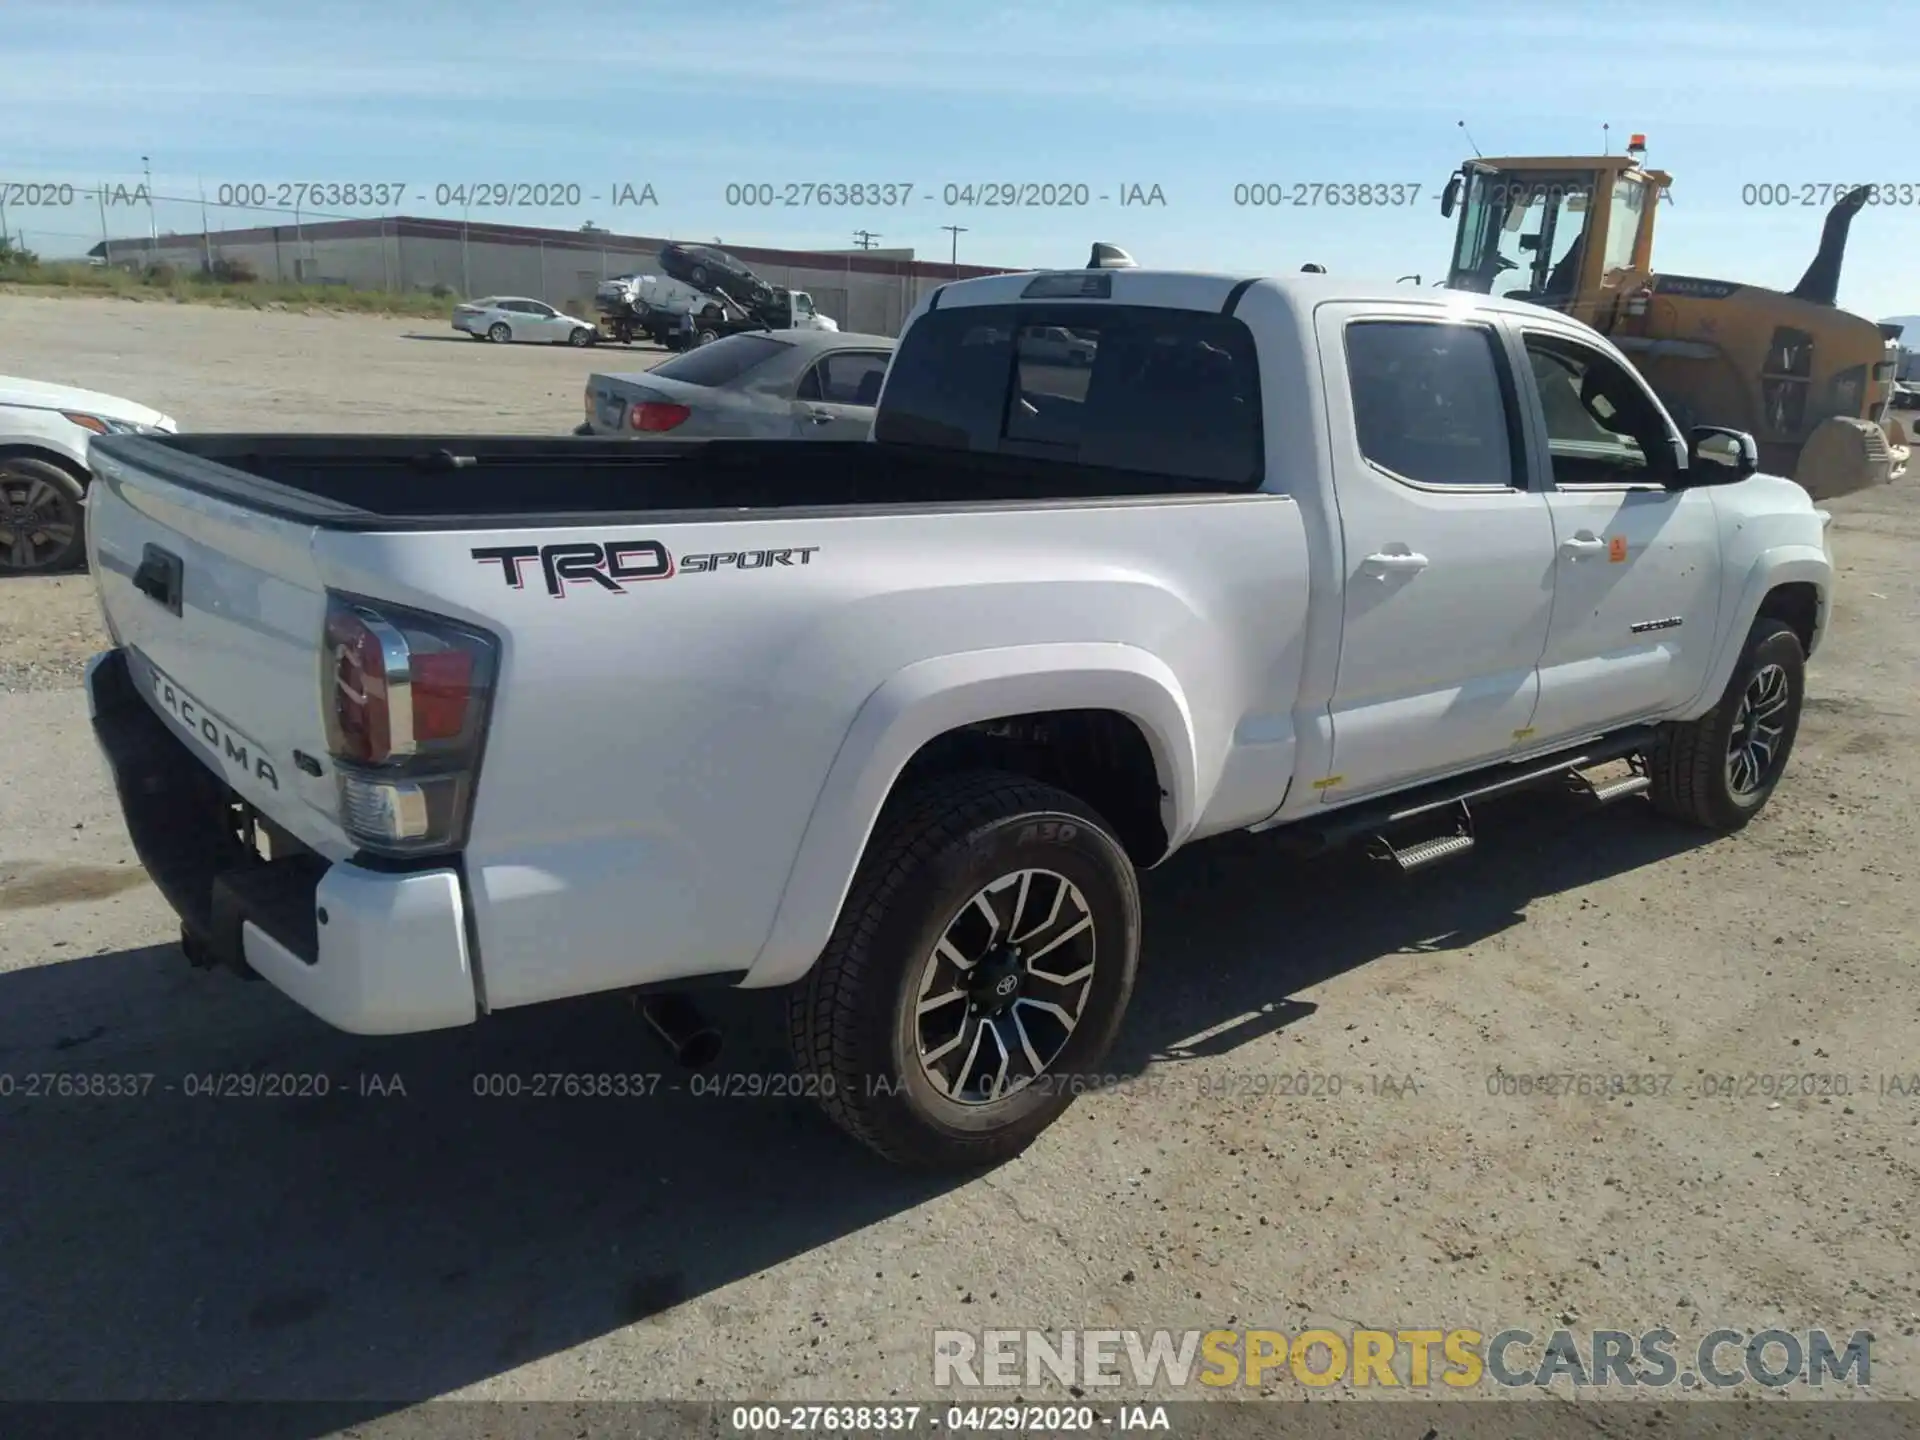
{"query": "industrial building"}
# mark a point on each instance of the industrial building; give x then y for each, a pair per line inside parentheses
(871, 291)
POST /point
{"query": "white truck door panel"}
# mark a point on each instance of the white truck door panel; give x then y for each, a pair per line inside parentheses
(1449, 583)
(1637, 566)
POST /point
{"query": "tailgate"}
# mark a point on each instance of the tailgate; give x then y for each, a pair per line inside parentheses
(221, 611)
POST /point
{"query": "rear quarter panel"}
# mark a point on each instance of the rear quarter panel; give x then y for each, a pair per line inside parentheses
(655, 755)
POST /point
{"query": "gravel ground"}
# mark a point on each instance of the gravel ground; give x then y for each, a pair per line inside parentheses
(385, 1248)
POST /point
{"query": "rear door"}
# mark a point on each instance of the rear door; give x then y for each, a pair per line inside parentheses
(835, 398)
(1637, 568)
(1448, 589)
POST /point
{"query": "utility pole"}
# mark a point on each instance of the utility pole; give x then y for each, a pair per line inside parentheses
(957, 232)
(864, 239)
(153, 225)
(106, 240)
(206, 239)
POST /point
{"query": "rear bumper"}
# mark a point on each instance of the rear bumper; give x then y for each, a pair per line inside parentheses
(368, 951)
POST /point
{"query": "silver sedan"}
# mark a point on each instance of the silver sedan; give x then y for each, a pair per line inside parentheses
(762, 384)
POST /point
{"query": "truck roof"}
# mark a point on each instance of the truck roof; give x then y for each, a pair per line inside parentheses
(1208, 290)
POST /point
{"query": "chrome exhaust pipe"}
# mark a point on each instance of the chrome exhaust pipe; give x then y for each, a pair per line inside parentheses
(688, 1035)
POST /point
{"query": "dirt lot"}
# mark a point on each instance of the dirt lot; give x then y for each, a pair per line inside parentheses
(385, 1247)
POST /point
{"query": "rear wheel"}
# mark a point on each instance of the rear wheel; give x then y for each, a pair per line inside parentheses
(698, 277)
(978, 975)
(1718, 771)
(42, 516)
(499, 333)
(706, 336)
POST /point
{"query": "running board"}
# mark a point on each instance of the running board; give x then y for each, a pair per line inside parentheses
(1378, 818)
(1419, 854)
(1638, 783)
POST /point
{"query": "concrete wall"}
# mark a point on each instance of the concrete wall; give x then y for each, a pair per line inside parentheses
(563, 272)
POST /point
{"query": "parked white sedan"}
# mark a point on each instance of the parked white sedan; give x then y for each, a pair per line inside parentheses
(505, 318)
(44, 430)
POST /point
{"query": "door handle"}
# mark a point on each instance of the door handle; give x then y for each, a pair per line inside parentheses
(1582, 544)
(820, 417)
(159, 577)
(1396, 563)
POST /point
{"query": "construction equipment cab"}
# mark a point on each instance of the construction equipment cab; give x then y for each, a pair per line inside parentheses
(1810, 381)
(422, 728)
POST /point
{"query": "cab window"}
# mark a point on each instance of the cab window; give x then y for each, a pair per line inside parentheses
(1602, 429)
(1432, 403)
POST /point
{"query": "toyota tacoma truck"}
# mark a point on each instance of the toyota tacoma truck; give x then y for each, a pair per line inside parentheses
(425, 728)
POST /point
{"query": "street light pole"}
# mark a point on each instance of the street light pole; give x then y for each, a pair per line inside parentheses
(958, 231)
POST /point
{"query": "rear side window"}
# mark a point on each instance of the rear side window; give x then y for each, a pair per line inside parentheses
(1169, 392)
(1432, 402)
(722, 362)
(851, 377)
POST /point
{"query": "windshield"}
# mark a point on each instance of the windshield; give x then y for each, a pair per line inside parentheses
(1520, 233)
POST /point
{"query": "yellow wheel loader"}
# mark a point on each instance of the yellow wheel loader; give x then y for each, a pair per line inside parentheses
(1812, 383)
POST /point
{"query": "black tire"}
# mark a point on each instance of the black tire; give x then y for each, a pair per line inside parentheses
(706, 337)
(853, 1020)
(581, 338)
(499, 333)
(42, 516)
(698, 277)
(1694, 777)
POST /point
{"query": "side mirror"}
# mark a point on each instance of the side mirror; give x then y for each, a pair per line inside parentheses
(1450, 197)
(1717, 455)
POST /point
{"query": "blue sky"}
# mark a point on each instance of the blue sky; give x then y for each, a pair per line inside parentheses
(1192, 97)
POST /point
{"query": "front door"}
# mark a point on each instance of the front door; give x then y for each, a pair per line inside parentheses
(1448, 585)
(1637, 588)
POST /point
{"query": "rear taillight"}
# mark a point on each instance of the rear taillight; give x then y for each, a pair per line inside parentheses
(407, 696)
(1638, 301)
(657, 415)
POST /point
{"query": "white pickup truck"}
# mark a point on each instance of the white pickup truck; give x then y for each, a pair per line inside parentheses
(425, 728)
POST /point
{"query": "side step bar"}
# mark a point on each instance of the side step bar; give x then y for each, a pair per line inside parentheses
(1378, 819)
(1431, 851)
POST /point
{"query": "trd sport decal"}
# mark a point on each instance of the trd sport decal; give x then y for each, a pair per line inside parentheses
(615, 564)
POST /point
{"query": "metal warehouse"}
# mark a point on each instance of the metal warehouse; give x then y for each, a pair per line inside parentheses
(871, 291)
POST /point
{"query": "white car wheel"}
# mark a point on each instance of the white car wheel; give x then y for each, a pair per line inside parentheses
(499, 333)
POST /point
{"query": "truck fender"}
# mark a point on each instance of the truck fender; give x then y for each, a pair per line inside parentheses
(928, 699)
(1779, 565)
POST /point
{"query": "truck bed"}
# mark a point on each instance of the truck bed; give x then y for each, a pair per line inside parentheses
(423, 482)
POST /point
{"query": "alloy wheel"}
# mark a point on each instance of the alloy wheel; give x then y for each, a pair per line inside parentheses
(37, 522)
(1758, 727)
(1004, 988)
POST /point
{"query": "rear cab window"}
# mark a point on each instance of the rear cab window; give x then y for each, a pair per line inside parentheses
(722, 362)
(1125, 387)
